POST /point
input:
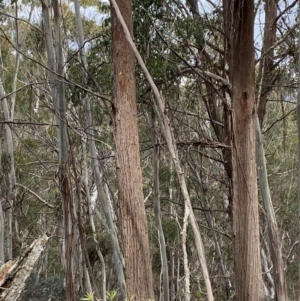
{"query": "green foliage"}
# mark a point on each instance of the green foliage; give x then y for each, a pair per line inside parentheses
(111, 295)
(88, 297)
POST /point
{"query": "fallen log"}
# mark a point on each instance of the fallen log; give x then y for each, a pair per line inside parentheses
(14, 273)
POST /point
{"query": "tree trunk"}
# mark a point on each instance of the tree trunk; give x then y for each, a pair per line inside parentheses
(138, 270)
(64, 170)
(274, 238)
(11, 173)
(247, 263)
(166, 130)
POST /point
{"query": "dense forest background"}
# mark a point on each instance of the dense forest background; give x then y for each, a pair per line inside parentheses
(138, 161)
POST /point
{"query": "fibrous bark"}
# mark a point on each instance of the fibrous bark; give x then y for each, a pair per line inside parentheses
(135, 243)
(247, 263)
(170, 140)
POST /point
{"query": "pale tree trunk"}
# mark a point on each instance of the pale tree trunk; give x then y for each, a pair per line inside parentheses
(65, 186)
(267, 272)
(11, 173)
(170, 140)
(51, 63)
(157, 213)
(134, 230)
(172, 268)
(266, 67)
(18, 46)
(80, 241)
(274, 238)
(117, 255)
(52, 79)
(91, 218)
(187, 282)
(247, 262)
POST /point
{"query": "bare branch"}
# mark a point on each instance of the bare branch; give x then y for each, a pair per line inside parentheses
(36, 196)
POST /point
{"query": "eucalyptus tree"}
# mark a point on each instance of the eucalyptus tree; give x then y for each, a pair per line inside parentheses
(239, 22)
(64, 168)
(134, 230)
(171, 143)
(56, 67)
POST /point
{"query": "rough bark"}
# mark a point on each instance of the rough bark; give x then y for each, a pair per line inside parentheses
(170, 140)
(138, 271)
(247, 262)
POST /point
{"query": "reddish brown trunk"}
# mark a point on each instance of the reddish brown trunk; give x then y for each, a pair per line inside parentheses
(138, 271)
(247, 262)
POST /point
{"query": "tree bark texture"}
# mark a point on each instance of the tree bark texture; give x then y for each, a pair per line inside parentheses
(247, 263)
(170, 140)
(138, 271)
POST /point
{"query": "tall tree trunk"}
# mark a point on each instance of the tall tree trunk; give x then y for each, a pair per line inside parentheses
(274, 238)
(65, 185)
(247, 263)
(170, 140)
(266, 67)
(138, 270)
(91, 218)
(11, 172)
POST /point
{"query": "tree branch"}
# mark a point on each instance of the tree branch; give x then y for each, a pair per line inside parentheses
(36, 196)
